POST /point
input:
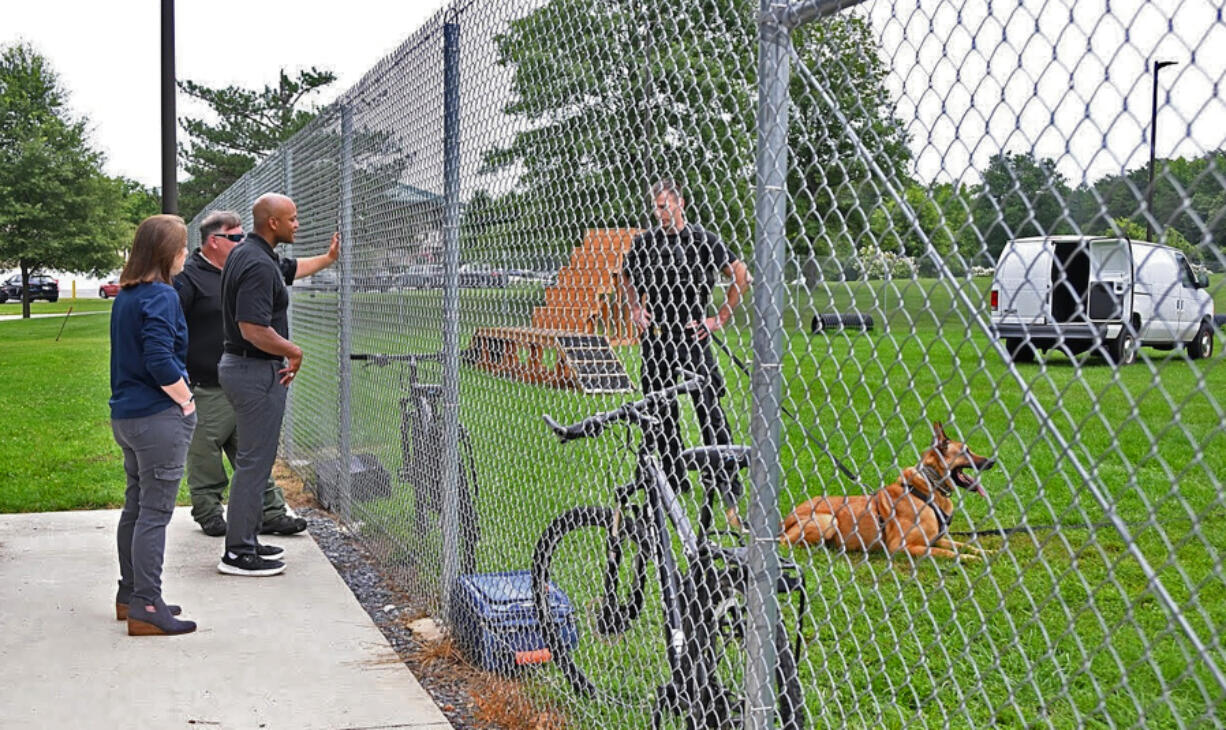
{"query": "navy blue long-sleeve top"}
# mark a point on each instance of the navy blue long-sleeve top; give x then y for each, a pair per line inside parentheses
(148, 349)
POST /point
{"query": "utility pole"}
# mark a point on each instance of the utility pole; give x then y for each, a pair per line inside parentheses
(1153, 136)
(170, 185)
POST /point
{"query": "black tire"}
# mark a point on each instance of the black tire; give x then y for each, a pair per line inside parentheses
(102, 293)
(1123, 349)
(1201, 346)
(725, 697)
(470, 526)
(421, 469)
(53, 299)
(616, 659)
(1020, 350)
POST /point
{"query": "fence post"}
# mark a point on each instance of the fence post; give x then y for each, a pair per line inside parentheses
(287, 429)
(451, 313)
(345, 294)
(770, 208)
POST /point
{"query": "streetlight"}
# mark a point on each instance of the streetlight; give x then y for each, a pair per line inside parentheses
(170, 185)
(1153, 135)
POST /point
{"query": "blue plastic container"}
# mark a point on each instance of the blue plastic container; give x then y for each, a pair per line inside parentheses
(494, 620)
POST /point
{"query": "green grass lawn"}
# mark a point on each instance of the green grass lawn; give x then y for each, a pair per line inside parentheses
(56, 449)
(1061, 628)
(1057, 628)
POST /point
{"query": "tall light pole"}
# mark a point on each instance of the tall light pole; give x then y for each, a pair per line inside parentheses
(170, 185)
(1153, 136)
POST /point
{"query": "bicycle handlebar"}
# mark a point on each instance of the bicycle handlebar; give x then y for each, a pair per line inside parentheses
(634, 412)
(383, 359)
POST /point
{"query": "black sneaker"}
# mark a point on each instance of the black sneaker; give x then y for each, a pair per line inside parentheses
(214, 526)
(249, 564)
(270, 552)
(283, 525)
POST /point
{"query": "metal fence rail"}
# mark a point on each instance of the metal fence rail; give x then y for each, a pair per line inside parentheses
(943, 212)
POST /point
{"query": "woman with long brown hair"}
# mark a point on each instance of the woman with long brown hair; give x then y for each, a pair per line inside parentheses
(153, 414)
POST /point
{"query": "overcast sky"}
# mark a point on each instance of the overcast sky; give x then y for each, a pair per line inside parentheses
(107, 55)
(1066, 78)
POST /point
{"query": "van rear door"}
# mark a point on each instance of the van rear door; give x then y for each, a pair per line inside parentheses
(1110, 296)
(1023, 282)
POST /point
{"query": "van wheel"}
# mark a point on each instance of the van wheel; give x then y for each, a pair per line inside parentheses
(1020, 350)
(1202, 345)
(1123, 351)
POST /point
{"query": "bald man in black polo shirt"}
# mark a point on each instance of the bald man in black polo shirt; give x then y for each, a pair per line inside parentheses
(258, 364)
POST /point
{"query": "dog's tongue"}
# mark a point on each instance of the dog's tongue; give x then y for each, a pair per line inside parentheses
(979, 490)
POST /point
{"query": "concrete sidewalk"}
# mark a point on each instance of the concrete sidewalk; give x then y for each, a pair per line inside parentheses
(290, 651)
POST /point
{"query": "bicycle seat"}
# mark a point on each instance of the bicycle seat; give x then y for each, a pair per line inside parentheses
(727, 459)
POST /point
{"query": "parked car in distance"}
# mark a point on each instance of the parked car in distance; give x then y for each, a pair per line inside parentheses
(477, 276)
(325, 280)
(374, 281)
(421, 276)
(108, 289)
(41, 287)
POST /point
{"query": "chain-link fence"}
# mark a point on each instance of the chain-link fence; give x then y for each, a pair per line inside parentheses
(902, 214)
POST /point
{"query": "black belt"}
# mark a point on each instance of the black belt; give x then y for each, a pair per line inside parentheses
(246, 352)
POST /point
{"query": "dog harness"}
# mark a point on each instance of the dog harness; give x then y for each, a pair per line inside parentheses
(933, 477)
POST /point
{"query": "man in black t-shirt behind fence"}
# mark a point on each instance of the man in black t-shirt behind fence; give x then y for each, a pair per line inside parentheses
(667, 278)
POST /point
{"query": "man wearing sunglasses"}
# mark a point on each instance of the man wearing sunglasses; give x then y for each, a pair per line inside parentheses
(199, 287)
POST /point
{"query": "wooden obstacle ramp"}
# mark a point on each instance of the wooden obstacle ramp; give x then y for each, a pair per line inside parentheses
(557, 358)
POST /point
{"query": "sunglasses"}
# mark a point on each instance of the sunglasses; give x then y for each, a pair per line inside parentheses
(236, 237)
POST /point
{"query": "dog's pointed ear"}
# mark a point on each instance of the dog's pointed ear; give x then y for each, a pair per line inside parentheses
(939, 437)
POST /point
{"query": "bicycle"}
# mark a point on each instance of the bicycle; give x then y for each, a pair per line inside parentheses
(703, 611)
(421, 452)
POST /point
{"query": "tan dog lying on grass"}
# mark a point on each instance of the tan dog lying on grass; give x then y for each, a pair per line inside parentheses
(911, 514)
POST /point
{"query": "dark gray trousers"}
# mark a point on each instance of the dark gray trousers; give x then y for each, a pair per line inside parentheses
(254, 389)
(154, 449)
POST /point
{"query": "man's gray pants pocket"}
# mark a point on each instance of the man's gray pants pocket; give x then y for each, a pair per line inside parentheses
(255, 390)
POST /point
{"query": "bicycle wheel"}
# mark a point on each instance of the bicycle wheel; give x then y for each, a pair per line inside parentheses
(603, 573)
(722, 702)
(470, 528)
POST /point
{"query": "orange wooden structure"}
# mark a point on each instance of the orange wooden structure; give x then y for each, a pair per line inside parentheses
(568, 344)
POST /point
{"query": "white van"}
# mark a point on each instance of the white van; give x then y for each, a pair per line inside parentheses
(1108, 294)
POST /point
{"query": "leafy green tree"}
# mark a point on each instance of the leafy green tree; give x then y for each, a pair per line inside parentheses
(250, 125)
(1171, 237)
(612, 96)
(57, 209)
(1021, 196)
(139, 201)
(1189, 198)
(942, 212)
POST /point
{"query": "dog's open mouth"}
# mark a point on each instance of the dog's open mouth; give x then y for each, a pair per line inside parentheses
(968, 482)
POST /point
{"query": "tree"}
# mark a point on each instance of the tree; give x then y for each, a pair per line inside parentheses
(250, 125)
(942, 211)
(57, 209)
(610, 96)
(1171, 237)
(1021, 196)
(1189, 199)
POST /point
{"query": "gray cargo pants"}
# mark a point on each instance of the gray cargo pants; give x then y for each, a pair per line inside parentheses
(154, 449)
